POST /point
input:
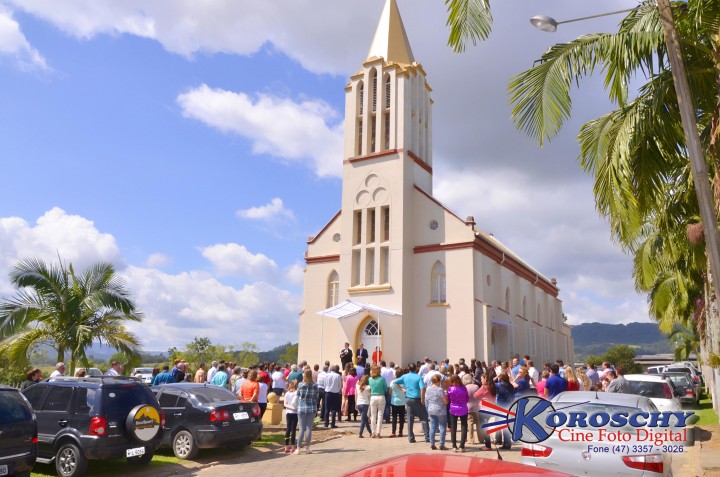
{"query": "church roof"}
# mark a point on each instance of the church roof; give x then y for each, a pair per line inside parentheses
(390, 41)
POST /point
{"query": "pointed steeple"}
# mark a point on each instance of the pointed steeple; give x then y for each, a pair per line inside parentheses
(390, 40)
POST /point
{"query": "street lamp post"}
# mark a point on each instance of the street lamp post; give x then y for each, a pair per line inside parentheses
(698, 165)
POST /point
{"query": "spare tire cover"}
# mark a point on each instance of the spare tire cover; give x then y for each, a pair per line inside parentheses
(143, 423)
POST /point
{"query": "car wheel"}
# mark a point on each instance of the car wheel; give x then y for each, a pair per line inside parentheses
(70, 461)
(141, 459)
(184, 446)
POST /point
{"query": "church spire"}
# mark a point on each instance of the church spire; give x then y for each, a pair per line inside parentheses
(390, 41)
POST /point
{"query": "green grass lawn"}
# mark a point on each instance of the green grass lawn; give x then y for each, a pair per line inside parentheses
(163, 457)
(705, 412)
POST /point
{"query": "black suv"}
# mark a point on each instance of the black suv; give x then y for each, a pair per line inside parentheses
(18, 433)
(94, 418)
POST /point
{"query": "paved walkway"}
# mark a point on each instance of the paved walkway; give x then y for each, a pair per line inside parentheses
(335, 451)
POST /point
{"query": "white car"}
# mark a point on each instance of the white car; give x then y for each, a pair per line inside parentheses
(659, 389)
(89, 372)
(146, 374)
(595, 456)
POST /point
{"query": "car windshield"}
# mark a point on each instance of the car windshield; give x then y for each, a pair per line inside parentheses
(119, 400)
(142, 371)
(210, 394)
(648, 389)
(13, 408)
(680, 370)
(679, 379)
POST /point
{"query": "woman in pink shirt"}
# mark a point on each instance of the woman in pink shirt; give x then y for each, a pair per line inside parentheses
(540, 385)
(486, 393)
(349, 392)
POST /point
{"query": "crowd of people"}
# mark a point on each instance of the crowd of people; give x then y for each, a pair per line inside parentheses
(365, 387)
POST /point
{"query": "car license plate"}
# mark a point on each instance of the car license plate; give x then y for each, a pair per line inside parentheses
(3, 470)
(135, 452)
(241, 415)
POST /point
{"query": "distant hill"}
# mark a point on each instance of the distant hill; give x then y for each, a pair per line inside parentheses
(596, 338)
(274, 354)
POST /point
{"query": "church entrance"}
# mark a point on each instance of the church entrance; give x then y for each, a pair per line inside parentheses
(370, 336)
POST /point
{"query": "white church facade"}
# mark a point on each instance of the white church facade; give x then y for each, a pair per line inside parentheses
(422, 281)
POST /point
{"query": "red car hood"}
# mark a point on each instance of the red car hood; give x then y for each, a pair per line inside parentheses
(448, 465)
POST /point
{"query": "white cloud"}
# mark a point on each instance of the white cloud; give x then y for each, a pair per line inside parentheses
(291, 131)
(13, 43)
(232, 259)
(176, 307)
(179, 307)
(157, 260)
(295, 273)
(72, 237)
(271, 211)
(299, 28)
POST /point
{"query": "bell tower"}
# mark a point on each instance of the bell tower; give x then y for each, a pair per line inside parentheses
(388, 105)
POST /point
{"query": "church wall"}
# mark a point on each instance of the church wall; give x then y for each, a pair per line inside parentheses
(314, 327)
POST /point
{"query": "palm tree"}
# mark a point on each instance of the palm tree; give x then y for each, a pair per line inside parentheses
(686, 341)
(68, 311)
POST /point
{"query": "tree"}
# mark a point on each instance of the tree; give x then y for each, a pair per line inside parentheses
(290, 355)
(199, 350)
(248, 354)
(686, 341)
(128, 360)
(65, 310)
(623, 355)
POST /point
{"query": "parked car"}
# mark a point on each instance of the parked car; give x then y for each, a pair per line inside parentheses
(573, 456)
(18, 431)
(449, 465)
(201, 416)
(658, 388)
(146, 374)
(691, 370)
(685, 387)
(94, 418)
(655, 369)
(95, 372)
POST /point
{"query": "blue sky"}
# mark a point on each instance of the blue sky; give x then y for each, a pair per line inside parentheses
(197, 145)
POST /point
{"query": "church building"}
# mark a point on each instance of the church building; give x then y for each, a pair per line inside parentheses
(395, 268)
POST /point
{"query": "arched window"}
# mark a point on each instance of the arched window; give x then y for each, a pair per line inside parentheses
(361, 96)
(372, 329)
(387, 91)
(438, 283)
(507, 299)
(333, 289)
(374, 90)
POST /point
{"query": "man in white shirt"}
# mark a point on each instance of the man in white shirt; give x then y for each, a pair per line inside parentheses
(59, 370)
(387, 372)
(278, 381)
(428, 376)
(211, 372)
(425, 367)
(115, 369)
(333, 400)
(322, 376)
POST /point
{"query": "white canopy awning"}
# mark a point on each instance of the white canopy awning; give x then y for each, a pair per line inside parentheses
(502, 322)
(349, 308)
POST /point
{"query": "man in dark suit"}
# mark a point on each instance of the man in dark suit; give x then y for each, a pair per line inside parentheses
(345, 355)
(362, 355)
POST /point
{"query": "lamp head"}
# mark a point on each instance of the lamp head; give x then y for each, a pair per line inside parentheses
(544, 23)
